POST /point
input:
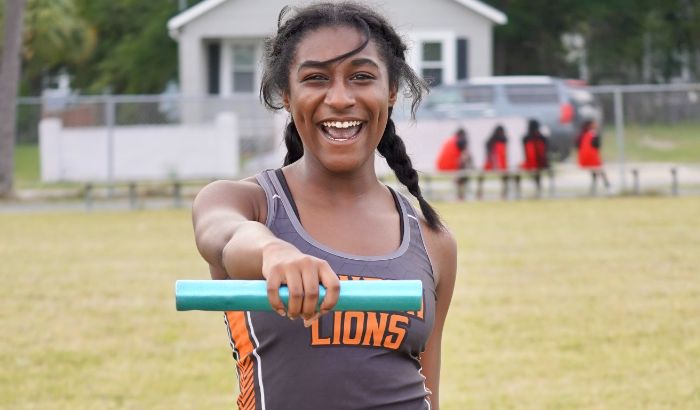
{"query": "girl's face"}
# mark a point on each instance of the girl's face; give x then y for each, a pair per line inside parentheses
(340, 109)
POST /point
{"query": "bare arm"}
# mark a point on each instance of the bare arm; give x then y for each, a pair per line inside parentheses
(229, 233)
(442, 249)
(224, 214)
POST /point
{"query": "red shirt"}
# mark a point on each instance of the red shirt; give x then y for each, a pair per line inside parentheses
(450, 157)
(535, 153)
(588, 155)
(496, 158)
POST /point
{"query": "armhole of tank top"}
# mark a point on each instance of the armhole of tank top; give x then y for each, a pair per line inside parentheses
(397, 204)
(262, 179)
(287, 192)
(412, 212)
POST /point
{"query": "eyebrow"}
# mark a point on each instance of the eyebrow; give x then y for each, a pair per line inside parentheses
(323, 64)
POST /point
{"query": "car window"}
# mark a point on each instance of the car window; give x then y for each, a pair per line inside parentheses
(532, 93)
(580, 96)
(440, 96)
(461, 95)
(478, 94)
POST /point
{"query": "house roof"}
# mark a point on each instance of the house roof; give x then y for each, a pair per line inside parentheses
(180, 20)
(175, 23)
(485, 10)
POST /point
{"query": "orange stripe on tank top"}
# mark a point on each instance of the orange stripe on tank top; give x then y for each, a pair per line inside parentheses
(244, 346)
(239, 333)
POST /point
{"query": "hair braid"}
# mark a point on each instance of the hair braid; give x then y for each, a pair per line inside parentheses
(295, 148)
(392, 148)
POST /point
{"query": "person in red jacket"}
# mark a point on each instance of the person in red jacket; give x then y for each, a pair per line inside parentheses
(535, 147)
(455, 156)
(588, 144)
(496, 159)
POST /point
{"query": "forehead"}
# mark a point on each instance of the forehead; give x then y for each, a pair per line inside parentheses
(326, 43)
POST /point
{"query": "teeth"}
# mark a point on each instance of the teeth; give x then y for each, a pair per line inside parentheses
(341, 124)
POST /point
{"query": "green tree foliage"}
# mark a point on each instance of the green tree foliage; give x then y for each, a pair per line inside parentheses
(626, 40)
(121, 46)
(134, 53)
(530, 43)
(54, 37)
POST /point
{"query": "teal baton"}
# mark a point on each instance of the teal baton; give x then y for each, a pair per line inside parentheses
(358, 295)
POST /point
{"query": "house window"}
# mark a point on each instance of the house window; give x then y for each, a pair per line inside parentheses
(243, 68)
(432, 62)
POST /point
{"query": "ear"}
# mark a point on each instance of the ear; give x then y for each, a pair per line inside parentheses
(285, 100)
(392, 96)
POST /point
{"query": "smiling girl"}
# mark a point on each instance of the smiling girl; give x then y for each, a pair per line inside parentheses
(325, 217)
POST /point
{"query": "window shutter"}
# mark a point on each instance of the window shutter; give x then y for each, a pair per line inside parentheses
(462, 58)
(213, 67)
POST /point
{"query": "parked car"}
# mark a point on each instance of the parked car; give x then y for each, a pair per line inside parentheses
(560, 105)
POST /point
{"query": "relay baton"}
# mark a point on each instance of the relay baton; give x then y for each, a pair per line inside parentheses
(357, 295)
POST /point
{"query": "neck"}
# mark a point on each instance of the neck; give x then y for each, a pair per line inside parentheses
(320, 182)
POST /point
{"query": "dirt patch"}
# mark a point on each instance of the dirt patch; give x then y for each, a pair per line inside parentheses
(657, 144)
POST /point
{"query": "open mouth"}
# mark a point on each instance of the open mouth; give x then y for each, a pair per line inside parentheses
(340, 131)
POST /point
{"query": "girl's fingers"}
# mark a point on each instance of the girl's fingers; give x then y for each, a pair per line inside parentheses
(273, 293)
(296, 294)
(310, 280)
(330, 281)
(310, 321)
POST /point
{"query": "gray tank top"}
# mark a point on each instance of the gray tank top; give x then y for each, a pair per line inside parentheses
(346, 360)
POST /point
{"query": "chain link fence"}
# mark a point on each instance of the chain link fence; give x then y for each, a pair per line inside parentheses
(652, 129)
(645, 126)
(255, 123)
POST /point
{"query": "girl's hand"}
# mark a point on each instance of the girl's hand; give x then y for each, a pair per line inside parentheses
(283, 264)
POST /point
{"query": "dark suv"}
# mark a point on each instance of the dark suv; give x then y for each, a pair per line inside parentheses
(561, 106)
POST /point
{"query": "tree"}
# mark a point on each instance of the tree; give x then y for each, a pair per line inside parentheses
(134, 53)
(625, 40)
(530, 43)
(9, 78)
(54, 37)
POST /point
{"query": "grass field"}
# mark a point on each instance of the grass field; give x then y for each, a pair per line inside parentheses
(585, 304)
(26, 165)
(677, 143)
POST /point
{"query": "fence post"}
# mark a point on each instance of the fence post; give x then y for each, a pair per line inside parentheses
(109, 124)
(177, 194)
(620, 136)
(552, 187)
(674, 181)
(635, 181)
(428, 185)
(133, 196)
(88, 196)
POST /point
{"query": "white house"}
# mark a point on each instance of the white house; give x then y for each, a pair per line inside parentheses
(221, 41)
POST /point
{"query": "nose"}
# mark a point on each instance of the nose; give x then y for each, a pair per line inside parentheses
(339, 96)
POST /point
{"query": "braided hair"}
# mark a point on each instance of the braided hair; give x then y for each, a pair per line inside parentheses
(279, 53)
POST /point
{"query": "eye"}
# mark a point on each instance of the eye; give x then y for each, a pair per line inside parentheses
(314, 77)
(362, 76)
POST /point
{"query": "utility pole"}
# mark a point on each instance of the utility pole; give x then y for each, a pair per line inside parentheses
(9, 82)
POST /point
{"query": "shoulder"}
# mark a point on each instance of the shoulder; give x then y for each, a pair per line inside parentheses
(442, 250)
(226, 189)
(245, 196)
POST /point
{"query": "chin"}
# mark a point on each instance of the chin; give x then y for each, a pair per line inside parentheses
(344, 164)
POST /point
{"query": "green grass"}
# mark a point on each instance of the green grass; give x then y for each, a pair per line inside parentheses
(26, 165)
(678, 143)
(559, 305)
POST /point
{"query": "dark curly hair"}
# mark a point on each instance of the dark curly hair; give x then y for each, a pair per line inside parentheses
(279, 53)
